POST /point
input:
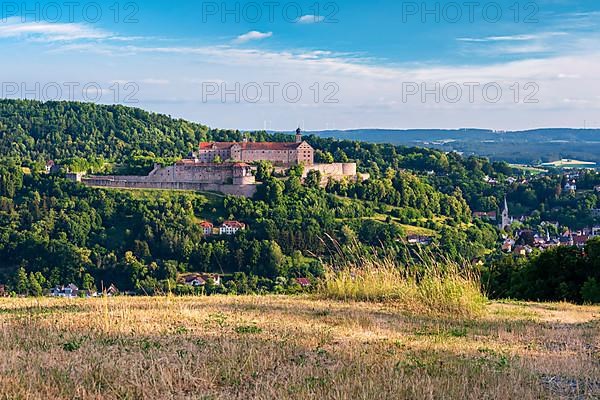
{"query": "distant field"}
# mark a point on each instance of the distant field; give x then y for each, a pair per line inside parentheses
(417, 230)
(408, 229)
(527, 168)
(293, 348)
(570, 164)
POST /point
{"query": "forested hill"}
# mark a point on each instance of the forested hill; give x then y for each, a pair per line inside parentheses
(60, 130)
(35, 131)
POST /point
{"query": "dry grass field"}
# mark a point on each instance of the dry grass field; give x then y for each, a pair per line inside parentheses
(293, 348)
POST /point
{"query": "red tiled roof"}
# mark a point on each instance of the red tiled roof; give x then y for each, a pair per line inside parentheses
(303, 281)
(206, 224)
(484, 214)
(234, 224)
(249, 145)
(215, 145)
(583, 239)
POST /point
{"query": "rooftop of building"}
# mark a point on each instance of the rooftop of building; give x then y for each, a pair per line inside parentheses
(234, 224)
(250, 145)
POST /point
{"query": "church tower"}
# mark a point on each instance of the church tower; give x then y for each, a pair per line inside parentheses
(505, 216)
(298, 135)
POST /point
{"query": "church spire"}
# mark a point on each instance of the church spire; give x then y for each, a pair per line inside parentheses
(298, 135)
(505, 216)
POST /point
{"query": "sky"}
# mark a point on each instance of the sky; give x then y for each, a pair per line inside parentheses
(502, 65)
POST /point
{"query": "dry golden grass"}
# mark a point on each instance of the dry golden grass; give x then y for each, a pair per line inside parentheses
(434, 293)
(292, 348)
(432, 288)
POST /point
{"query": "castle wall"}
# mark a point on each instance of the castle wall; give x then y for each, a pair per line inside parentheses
(229, 179)
(225, 178)
(122, 182)
(208, 155)
(192, 174)
(335, 170)
(244, 180)
(277, 157)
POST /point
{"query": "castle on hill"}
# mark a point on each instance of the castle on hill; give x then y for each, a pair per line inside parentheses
(281, 154)
(225, 167)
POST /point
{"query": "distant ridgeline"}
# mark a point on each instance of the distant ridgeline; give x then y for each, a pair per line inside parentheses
(527, 147)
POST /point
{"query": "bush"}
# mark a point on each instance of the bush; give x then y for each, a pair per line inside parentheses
(590, 291)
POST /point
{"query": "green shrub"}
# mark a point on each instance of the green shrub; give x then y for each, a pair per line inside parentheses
(590, 291)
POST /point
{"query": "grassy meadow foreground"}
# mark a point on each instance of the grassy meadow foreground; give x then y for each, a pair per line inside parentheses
(293, 348)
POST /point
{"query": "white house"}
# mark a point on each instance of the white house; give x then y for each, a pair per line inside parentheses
(65, 291)
(231, 227)
(197, 280)
(571, 187)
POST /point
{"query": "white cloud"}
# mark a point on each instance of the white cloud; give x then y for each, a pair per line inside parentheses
(552, 43)
(40, 31)
(310, 19)
(370, 92)
(252, 35)
(46, 31)
(513, 38)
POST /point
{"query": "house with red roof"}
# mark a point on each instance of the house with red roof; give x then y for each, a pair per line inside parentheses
(491, 215)
(304, 282)
(207, 228)
(231, 227)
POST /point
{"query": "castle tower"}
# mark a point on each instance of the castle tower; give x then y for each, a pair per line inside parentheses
(298, 135)
(505, 223)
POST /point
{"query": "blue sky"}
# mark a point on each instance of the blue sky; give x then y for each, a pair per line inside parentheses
(323, 65)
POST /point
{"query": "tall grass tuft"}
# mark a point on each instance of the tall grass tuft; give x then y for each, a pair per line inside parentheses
(432, 284)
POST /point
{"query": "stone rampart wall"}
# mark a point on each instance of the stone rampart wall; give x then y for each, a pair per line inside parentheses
(121, 182)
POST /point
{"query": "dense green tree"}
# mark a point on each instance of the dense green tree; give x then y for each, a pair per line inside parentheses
(20, 281)
(35, 289)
